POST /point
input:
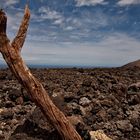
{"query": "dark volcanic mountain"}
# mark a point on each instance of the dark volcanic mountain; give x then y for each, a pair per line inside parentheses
(132, 64)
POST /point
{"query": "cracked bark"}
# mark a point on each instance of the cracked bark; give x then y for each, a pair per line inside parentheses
(11, 54)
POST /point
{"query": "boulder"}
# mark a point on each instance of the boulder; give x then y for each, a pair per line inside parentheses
(84, 101)
(135, 87)
(98, 135)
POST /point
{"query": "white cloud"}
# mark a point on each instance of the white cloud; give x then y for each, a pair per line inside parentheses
(85, 21)
(89, 2)
(10, 2)
(128, 2)
(68, 28)
(47, 13)
(58, 21)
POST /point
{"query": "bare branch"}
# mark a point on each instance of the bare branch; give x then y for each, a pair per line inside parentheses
(21, 35)
(32, 85)
(3, 22)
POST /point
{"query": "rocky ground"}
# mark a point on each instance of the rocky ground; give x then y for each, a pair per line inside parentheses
(92, 99)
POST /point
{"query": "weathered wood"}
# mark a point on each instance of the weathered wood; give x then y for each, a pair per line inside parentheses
(3, 21)
(11, 54)
(21, 35)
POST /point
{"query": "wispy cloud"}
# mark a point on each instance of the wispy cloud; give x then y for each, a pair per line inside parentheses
(11, 2)
(128, 2)
(116, 47)
(8, 3)
(47, 13)
(89, 2)
(86, 21)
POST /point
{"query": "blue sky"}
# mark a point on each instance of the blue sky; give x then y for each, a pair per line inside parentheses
(77, 32)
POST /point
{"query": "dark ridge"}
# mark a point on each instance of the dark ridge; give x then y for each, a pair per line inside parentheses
(132, 64)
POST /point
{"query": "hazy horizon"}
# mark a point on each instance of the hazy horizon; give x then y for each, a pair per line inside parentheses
(4, 65)
(77, 33)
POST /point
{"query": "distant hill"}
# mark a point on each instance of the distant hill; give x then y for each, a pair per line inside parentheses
(132, 64)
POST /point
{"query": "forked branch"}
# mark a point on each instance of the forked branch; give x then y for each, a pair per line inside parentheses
(11, 54)
(21, 35)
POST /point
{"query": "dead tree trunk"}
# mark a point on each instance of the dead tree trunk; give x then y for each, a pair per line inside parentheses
(11, 54)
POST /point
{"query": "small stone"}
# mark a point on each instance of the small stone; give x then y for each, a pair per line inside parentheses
(102, 115)
(14, 94)
(135, 87)
(2, 125)
(3, 75)
(75, 119)
(19, 101)
(2, 137)
(1, 110)
(14, 122)
(87, 82)
(124, 125)
(7, 114)
(86, 110)
(110, 126)
(84, 101)
(0, 132)
(9, 104)
(69, 96)
(73, 108)
(106, 103)
(134, 100)
(96, 107)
